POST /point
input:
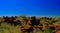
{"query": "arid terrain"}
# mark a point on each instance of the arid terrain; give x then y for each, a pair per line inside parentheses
(33, 24)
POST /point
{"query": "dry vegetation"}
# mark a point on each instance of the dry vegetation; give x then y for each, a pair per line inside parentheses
(46, 25)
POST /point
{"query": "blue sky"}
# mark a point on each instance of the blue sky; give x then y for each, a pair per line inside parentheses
(30, 7)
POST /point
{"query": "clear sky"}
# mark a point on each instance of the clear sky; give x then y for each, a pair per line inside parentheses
(30, 7)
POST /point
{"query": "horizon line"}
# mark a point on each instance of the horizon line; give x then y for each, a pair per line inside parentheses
(31, 15)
